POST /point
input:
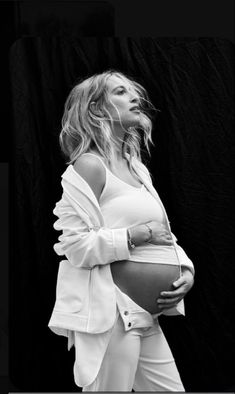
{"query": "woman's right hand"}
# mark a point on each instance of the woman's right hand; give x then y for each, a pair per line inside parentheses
(160, 235)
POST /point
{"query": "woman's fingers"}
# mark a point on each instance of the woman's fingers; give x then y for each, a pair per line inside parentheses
(162, 241)
(163, 301)
(168, 242)
(168, 302)
(179, 292)
(169, 299)
(160, 235)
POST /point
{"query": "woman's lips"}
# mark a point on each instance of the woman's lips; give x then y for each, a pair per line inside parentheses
(135, 109)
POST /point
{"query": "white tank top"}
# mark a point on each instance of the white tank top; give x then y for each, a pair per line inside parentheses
(123, 206)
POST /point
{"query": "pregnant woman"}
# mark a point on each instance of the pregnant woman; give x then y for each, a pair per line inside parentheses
(123, 266)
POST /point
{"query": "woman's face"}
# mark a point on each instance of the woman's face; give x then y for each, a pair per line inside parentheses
(123, 102)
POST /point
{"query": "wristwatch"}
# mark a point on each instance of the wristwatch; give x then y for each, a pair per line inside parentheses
(130, 243)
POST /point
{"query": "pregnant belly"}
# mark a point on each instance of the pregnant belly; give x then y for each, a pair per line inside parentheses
(143, 282)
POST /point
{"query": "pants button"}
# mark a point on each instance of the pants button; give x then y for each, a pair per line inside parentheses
(126, 313)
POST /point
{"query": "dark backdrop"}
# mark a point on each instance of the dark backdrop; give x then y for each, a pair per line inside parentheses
(191, 81)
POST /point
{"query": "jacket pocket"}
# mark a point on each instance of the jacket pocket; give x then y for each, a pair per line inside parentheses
(72, 287)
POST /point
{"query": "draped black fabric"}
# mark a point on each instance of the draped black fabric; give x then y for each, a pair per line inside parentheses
(191, 81)
(63, 18)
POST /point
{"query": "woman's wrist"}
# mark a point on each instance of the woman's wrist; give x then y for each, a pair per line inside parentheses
(129, 240)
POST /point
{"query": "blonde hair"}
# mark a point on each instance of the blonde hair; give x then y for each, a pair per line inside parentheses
(84, 129)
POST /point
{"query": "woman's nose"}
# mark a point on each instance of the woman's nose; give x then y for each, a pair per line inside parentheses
(134, 98)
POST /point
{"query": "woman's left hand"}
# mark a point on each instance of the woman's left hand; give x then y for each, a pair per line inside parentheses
(169, 299)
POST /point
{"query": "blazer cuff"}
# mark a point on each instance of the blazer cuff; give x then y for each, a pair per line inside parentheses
(120, 244)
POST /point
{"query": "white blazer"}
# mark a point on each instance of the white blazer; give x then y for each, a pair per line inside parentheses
(85, 291)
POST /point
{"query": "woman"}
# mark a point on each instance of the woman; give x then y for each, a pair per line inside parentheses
(123, 265)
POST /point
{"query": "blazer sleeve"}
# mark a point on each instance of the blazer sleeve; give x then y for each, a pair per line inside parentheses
(84, 246)
(184, 259)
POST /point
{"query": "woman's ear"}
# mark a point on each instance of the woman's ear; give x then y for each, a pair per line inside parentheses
(95, 110)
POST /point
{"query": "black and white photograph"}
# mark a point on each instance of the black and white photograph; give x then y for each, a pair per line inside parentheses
(119, 162)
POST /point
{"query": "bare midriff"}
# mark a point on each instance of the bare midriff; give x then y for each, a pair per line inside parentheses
(143, 281)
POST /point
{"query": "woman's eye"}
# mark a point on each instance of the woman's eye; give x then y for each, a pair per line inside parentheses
(121, 91)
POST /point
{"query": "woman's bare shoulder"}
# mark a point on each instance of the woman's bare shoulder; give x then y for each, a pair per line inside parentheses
(91, 169)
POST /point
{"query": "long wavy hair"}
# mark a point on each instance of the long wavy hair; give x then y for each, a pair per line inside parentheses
(85, 128)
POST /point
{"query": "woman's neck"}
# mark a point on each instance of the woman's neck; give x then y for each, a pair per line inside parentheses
(117, 156)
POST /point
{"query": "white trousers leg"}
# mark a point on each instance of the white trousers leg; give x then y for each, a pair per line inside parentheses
(138, 359)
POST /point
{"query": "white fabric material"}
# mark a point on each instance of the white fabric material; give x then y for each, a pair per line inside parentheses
(120, 203)
(120, 206)
(91, 348)
(124, 205)
(86, 296)
(140, 359)
(85, 293)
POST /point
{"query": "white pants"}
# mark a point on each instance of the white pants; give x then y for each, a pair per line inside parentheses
(138, 359)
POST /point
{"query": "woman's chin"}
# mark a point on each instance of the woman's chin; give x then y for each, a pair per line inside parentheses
(134, 123)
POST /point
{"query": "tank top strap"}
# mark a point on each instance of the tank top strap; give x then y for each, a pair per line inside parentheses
(113, 178)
